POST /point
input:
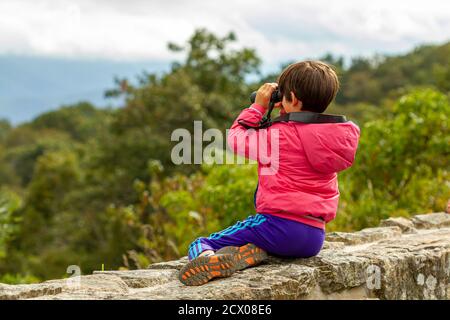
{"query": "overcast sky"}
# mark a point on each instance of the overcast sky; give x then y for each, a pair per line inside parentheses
(280, 30)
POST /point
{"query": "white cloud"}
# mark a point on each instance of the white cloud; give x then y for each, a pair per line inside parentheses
(281, 30)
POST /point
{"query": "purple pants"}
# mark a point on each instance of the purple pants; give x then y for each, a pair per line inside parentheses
(277, 236)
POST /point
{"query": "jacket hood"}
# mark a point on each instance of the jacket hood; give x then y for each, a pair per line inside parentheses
(329, 147)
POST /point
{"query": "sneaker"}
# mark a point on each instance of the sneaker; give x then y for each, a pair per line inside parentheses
(223, 263)
(204, 268)
(246, 256)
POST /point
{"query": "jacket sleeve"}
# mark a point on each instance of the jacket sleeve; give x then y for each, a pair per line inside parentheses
(249, 143)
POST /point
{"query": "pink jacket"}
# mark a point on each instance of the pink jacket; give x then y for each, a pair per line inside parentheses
(300, 182)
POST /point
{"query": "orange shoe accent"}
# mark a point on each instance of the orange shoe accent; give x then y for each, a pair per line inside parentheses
(248, 253)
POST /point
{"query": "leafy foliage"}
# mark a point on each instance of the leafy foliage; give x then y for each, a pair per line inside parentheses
(9, 203)
(402, 164)
(372, 79)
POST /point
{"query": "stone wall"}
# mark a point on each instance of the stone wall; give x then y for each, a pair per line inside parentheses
(400, 259)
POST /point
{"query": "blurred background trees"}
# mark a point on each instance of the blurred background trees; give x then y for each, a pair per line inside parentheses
(89, 186)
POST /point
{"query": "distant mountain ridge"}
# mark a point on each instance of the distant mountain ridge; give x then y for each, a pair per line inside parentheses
(32, 85)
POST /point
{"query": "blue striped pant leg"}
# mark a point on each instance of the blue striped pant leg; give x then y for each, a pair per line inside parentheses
(239, 234)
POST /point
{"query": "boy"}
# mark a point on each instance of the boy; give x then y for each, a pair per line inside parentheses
(295, 201)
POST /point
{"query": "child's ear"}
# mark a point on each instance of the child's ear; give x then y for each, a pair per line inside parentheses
(294, 99)
(296, 102)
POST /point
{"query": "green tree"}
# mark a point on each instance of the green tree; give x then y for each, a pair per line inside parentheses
(209, 86)
(402, 163)
(9, 204)
(5, 128)
(80, 121)
(40, 243)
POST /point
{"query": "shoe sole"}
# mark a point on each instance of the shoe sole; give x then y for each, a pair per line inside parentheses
(245, 256)
(223, 263)
(204, 268)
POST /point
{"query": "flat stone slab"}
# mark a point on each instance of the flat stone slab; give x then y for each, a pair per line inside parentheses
(431, 220)
(365, 235)
(28, 291)
(174, 264)
(144, 278)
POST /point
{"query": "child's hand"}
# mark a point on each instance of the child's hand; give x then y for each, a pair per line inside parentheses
(264, 93)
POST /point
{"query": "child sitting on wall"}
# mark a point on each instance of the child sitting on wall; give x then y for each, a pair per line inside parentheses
(299, 193)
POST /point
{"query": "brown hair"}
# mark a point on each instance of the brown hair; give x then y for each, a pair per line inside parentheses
(314, 83)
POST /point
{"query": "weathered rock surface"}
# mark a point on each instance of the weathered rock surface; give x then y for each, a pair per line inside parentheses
(406, 225)
(401, 259)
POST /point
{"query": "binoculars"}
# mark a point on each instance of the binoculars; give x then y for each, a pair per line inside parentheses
(276, 97)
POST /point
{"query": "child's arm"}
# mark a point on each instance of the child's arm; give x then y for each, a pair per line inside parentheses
(242, 141)
(250, 143)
